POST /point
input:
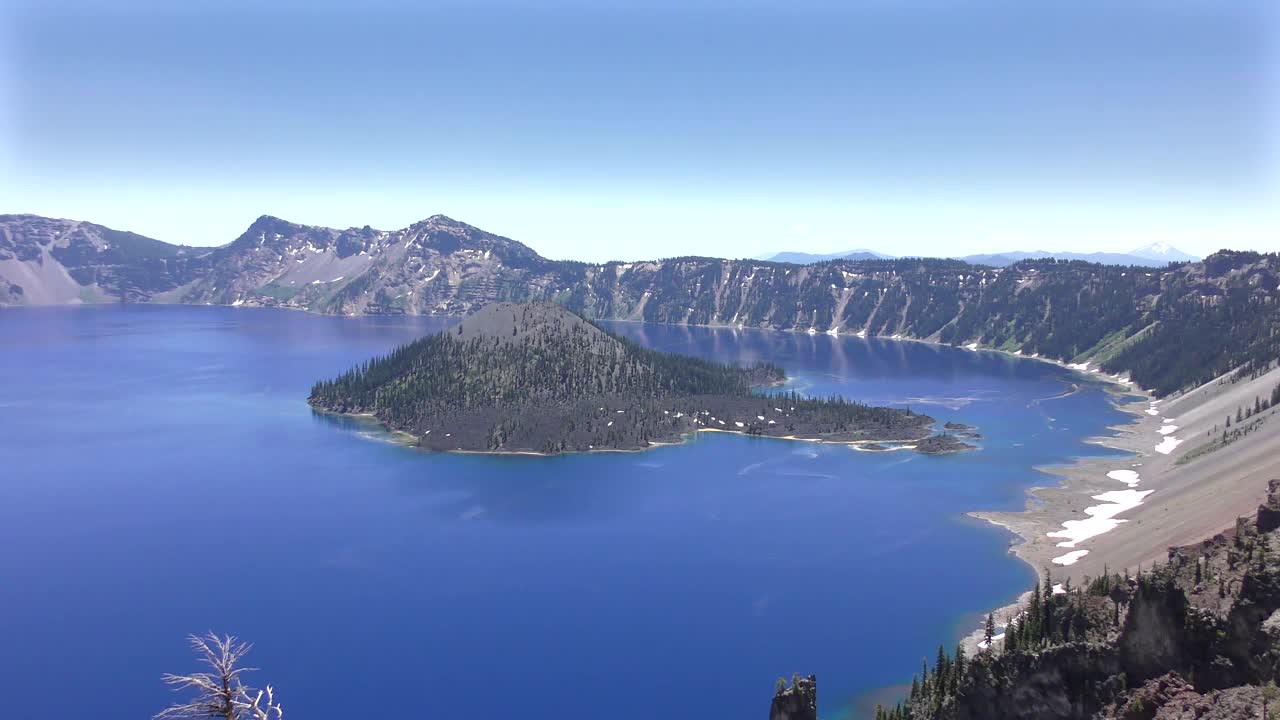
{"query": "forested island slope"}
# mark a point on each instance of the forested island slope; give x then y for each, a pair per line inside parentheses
(1167, 328)
(534, 377)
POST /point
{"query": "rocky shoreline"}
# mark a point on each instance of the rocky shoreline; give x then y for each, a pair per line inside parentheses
(925, 444)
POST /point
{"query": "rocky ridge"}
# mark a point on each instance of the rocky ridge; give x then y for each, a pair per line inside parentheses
(1123, 320)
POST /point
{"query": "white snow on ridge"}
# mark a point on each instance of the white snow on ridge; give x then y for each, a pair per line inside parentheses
(1166, 429)
(1167, 445)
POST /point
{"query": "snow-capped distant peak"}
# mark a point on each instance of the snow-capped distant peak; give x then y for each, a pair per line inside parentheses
(1158, 249)
(1162, 251)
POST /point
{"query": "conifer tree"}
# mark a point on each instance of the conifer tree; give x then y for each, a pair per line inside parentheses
(940, 671)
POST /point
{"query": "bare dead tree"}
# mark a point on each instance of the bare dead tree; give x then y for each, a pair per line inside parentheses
(220, 693)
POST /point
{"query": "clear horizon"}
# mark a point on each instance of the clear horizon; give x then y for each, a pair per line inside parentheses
(598, 132)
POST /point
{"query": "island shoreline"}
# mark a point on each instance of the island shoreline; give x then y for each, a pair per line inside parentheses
(409, 440)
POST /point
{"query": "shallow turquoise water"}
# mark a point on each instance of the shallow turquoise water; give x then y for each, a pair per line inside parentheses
(163, 475)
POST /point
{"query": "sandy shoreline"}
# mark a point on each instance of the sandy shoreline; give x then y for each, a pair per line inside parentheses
(1175, 485)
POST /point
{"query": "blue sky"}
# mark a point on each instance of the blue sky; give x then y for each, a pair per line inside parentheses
(596, 130)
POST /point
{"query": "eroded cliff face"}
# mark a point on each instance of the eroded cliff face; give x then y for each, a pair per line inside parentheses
(1070, 681)
(44, 261)
(1217, 313)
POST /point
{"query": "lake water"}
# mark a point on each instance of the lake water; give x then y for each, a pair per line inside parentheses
(162, 475)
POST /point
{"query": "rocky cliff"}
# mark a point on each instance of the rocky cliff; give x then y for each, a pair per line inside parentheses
(1217, 313)
(49, 262)
(1193, 638)
(799, 701)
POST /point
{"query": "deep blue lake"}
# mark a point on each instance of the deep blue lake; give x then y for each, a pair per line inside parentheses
(161, 475)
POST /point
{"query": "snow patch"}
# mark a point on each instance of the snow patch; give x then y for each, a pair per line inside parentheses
(1102, 518)
(1069, 558)
(1128, 477)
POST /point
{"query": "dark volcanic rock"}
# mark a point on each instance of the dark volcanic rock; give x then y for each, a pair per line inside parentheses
(798, 702)
(1170, 697)
(942, 445)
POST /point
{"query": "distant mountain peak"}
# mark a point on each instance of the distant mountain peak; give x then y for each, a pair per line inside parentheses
(803, 258)
(439, 220)
(269, 220)
(1162, 251)
(1158, 248)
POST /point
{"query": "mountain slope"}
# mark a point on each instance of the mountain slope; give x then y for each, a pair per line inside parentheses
(44, 261)
(437, 265)
(1169, 327)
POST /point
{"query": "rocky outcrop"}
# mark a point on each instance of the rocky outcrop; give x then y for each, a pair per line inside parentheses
(1269, 511)
(797, 702)
(1170, 697)
(1068, 681)
(1194, 638)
